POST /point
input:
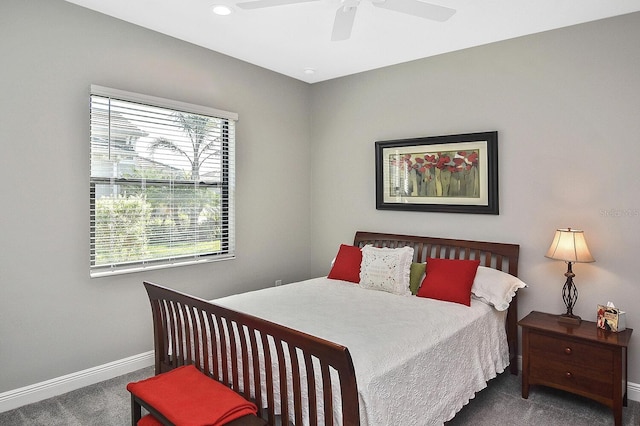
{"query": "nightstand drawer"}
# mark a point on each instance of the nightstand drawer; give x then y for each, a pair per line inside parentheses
(568, 352)
(571, 377)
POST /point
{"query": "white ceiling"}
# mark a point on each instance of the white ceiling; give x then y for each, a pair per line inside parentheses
(289, 39)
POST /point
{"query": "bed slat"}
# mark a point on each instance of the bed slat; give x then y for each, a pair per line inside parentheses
(311, 389)
(297, 387)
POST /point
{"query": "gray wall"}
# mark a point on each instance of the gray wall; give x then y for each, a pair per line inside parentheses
(566, 104)
(54, 320)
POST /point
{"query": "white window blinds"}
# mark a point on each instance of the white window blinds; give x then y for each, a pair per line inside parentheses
(162, 182)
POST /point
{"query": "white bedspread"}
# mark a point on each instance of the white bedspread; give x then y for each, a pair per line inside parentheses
(418, 361)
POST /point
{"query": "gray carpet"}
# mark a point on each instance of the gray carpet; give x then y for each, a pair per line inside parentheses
(501, 403)
(104, 404)
(107, 403)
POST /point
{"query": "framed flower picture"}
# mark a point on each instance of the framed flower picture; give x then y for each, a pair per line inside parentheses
(452, 173)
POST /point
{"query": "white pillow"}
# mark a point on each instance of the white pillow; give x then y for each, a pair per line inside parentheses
(386, 269)
(495, 287)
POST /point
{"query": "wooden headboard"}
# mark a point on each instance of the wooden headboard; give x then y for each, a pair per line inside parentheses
(501, 256)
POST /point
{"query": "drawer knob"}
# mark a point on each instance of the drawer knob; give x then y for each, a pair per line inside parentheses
(567, 351)
(568, 375)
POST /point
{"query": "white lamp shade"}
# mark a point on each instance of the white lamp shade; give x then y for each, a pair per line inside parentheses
(569, 245)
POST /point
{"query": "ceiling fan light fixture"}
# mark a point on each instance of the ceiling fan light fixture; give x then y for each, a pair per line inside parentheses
(221, 9)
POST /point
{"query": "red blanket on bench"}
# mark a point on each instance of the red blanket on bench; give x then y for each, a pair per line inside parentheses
(187, 397)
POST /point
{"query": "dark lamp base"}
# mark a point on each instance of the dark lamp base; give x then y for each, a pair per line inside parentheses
(569, 319)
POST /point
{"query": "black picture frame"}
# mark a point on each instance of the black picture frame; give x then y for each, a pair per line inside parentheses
(449, 174)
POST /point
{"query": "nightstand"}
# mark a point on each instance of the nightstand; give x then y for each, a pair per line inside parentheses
(581, 359)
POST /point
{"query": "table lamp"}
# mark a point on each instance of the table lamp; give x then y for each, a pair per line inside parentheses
(569, 245)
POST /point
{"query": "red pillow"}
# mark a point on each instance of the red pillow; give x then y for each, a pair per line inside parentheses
(346, 267)
(449, 280)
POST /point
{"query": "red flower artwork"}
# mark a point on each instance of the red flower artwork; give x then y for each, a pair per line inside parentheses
(435, 174)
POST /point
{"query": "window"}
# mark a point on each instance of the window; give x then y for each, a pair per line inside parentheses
(162, 182)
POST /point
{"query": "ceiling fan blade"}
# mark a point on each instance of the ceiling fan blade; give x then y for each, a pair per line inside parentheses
(259, 4)
(343, 24)
(417, 8)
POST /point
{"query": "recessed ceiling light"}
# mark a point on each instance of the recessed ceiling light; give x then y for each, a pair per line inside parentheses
(309, 71)
(221, 9)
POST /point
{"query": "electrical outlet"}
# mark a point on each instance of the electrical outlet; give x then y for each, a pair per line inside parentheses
(278, 283)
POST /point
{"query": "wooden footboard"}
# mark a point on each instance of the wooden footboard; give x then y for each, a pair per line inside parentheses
(287, 373)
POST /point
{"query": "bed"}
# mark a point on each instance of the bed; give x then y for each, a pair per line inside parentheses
(325, 351)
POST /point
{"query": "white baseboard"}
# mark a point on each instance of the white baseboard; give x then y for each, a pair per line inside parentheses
(47, 389)
(633, 391)
(59, 385)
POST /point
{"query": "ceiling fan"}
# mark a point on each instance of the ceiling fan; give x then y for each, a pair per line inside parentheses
(346, 13)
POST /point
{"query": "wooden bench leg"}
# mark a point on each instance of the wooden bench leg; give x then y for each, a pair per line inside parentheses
(136, 412)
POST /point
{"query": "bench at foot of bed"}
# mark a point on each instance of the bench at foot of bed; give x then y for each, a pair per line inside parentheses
(187, 396)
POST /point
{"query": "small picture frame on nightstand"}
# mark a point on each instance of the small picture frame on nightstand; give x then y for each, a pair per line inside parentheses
(611, 319)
